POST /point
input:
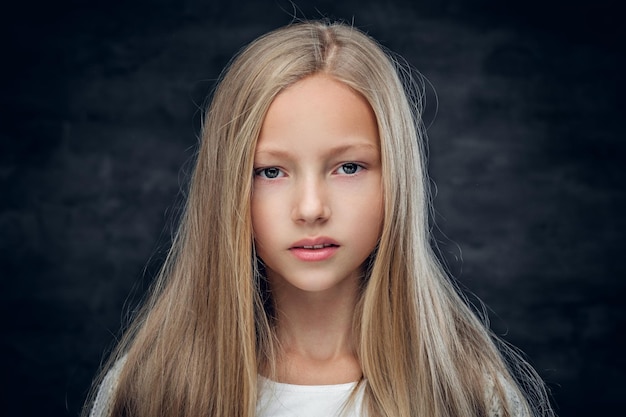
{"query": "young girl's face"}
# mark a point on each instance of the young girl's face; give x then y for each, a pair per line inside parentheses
(317, 197)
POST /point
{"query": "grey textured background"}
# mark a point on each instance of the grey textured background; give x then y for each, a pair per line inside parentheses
(100, 111)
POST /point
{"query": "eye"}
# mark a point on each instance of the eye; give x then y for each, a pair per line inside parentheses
(349, 168)
(269, 173)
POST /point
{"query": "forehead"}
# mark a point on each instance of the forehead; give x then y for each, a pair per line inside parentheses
(318, 108)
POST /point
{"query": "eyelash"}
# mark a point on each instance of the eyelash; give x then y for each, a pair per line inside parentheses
(262, 172)
(358, 167)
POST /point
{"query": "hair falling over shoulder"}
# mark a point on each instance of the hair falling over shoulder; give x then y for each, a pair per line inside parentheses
(201, 339)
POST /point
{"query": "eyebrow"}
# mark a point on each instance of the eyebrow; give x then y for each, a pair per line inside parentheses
(335, 150)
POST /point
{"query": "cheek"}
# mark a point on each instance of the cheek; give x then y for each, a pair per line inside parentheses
(377, 213)
(376, 216)
(366, 214)
(256, 211)
(263, 215)
(374, 208)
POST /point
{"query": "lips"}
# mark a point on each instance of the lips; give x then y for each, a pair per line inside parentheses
(314, 250)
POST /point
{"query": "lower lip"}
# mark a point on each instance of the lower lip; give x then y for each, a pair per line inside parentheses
(313, 255)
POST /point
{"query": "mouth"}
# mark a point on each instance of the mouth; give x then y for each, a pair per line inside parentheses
(314, 250)
(315, 243)
(322, 246)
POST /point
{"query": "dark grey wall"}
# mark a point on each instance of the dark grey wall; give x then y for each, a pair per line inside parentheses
(100, 110)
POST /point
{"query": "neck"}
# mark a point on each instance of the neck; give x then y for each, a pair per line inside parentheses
(314, 330)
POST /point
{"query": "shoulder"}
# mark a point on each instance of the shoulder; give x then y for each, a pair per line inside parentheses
(507, 396)
(102, 404)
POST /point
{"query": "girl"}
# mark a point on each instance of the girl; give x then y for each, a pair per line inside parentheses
(301, 281)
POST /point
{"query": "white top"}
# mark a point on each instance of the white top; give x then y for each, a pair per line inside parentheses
(286, 400)
(274, 399)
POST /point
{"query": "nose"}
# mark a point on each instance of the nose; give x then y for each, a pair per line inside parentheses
(311, 203)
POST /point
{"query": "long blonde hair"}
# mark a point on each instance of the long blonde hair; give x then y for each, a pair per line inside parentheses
(201, 338)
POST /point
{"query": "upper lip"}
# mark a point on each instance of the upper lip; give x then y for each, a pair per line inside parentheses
(326, 241)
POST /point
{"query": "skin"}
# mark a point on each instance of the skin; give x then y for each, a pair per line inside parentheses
(317, 180)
